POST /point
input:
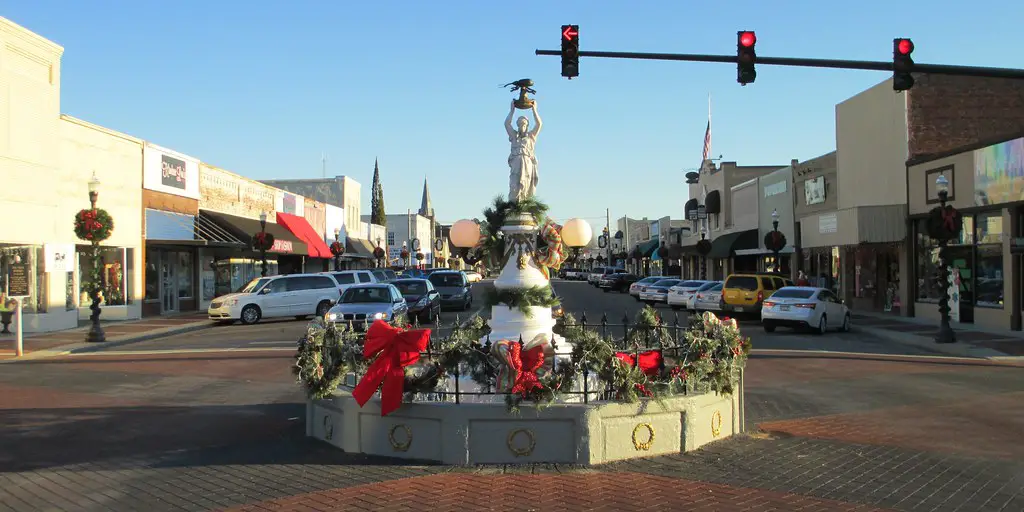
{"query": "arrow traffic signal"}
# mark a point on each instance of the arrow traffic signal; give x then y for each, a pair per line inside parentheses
(745, 57)
(902, 64)
(570, 51)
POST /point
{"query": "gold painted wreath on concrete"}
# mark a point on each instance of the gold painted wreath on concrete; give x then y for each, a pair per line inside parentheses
(643, 445)
(400, 446)
(523, 451)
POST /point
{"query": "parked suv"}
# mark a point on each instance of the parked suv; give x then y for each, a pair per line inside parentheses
(349, 278)
(745, 293)
(298, 295)
(454, 287)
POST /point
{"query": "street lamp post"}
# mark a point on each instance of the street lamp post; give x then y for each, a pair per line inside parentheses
(576, 234)
(703, 257)
(380, 253)
(945, 334)
(775, 247)
(263, 247)
(465, 235)
(96, 334)
(337, 257)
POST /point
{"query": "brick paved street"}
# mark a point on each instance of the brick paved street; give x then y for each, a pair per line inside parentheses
(206, 430)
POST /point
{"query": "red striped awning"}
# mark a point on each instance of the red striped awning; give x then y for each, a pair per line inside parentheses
(303, 231)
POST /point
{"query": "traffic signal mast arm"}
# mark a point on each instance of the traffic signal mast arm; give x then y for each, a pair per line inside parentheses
(935, 69)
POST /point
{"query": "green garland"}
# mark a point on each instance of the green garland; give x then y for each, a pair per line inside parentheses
(717, 353)
(493, 246)
(522, 298)
(326, 353)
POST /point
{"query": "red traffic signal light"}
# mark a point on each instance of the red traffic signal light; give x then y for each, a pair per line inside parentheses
(902, 64)
(570, 31)
(570, 51)
(904, 46)
(747, 39)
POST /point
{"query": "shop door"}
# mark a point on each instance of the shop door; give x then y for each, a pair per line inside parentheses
(168, 284)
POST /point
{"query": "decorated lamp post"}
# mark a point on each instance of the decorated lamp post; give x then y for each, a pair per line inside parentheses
(337, 249)
(465, 235)
(94, 226)
(405, 256)
(263, 242)
(774, 240)
(379, 253)
(944, 224)
(703, 248)
(576, 234)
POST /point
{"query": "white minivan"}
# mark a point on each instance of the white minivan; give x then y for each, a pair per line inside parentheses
(297, 295)
(347, 278)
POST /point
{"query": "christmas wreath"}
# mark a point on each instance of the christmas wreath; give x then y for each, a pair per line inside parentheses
(944, 224)
(404, 254)
(378, 253)
(326, 353)
(550, 257)
(704, 247)
(93, 225)
(420, 256)
(337, 248)
(262, 241)
(774, 241)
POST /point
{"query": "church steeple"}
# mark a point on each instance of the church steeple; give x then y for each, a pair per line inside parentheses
(426, 208)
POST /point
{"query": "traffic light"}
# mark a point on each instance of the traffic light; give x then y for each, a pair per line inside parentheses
(902, 64)
(746, 57)
(570, 51)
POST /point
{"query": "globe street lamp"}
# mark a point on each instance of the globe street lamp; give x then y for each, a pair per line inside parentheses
(263, 247)
(96, 334)
(576, 234)
(465, 235)
(337, 249)
(704, 248)
(945, 334)
(379, 253)
(777, 240)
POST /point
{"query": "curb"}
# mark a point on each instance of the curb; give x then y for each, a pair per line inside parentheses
(85, 348)
(959, 349)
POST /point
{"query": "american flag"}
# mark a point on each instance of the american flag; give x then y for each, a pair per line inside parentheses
(707, 144)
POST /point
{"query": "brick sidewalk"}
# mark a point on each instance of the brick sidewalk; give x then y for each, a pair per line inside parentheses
(903, 330)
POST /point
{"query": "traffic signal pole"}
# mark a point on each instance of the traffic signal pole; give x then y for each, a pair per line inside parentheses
(934, 69)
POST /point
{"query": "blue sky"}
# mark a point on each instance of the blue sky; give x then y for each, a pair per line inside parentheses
(262, 88)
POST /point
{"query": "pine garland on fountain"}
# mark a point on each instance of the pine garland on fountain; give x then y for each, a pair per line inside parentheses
(496, 215)
(522, 298)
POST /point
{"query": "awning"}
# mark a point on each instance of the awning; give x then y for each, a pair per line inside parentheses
(299, 226)
(723, 246)
(762, 251)
(647, 248)
(358, 248)
(244, 229)
(170, 228)
(690, 206)
(713, 202)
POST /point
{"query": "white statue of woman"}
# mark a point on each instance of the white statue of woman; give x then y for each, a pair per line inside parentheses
(522, 162)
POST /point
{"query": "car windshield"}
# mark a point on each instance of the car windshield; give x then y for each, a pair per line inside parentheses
(793, 293)
(709, 286)
(366, 295)
(254, 285)
(691, 284)
(446, 279)
(345, 278)
(411, 288)
(745, 283)
(667, 282)
(648, 280)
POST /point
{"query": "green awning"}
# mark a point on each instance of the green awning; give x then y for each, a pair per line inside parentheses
(647, 248)
(724, 246)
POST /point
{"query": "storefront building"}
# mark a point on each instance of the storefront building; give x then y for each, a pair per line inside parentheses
(986, 184)
(774, 195)
(734, 245)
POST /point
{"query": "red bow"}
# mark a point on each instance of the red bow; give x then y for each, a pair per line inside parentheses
(650, 361)
(526, 366)
(394, 349)
(949, 219)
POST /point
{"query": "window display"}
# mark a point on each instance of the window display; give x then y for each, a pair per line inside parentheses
(33, 256)
(185, 274)
(109, 274)
(234, 273)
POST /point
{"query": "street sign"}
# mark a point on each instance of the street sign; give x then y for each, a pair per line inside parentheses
(702, 212)
(691, 215)
(18, 280)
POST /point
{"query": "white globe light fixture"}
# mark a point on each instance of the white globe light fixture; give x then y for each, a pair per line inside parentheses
(577, 233)
(465, 234)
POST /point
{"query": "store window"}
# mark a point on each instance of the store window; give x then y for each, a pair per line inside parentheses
(110, 273)
(185, 275)
(70, 294)
(988, 287)
(37, 277)
(152, 276)
(928, 288)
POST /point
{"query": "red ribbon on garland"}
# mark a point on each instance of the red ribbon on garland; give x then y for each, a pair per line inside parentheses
(89, 221)
(525, 365)
(650, 361)
(949, 219)
(394, 349)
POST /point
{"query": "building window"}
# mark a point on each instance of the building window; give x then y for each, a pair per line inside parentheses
(988, 286)
(391, 238)
(152, 276)
(718, 224)
(185, 275)
(37, 277)
(70, 304)
(927, 265)
(110, 275)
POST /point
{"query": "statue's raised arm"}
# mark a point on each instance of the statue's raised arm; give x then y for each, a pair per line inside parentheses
(509, 129)
(536, 118)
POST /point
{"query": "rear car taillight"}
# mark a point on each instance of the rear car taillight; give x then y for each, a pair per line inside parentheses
(809, 305)
(700, 296)
(769, 304)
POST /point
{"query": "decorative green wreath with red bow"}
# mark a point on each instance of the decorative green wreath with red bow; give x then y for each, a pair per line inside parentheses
(774, 241)
(337, 249)
(378, 252)
(704, 247)
(262, 241)
(944, 224)
(93, 225)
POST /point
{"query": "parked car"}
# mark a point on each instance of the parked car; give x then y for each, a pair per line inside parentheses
(384, 275)
(595, 274)
(454, 289)
(658, 292)
(636, 288)
(473, 276)
(707, 298)
(617, 282)
(805, 307)
(605, 272)
(363, 304)
(679, 294)
(744, 293)
(347, 278)
(423, 299)
(298, 295)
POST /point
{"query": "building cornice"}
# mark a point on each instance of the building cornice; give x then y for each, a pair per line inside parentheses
(30, 38)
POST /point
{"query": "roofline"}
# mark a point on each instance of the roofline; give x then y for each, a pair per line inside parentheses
(922, 159)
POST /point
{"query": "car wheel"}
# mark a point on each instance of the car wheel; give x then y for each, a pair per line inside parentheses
(846, 323)
(322, 308)
(822, 325)
(769, 327)
(250, 314)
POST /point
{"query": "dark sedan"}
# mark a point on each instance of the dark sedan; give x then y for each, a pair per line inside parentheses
(454, 289)
(617, 282)
(424, 301)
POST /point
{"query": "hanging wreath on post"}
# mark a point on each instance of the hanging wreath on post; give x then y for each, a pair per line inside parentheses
(404, 254)
(337, 248)
(704, 247)
(93, 225)
(944, 224)
(420, 256)
(262, 241)
(378, 253)
(774, 241)
(438, 245)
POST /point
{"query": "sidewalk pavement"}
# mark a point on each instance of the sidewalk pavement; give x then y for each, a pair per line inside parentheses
(46, 344)
(971, 341)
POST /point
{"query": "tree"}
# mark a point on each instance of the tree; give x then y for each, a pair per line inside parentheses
(377, 213)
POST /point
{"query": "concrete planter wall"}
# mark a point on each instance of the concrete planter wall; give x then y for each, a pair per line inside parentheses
(461, 434)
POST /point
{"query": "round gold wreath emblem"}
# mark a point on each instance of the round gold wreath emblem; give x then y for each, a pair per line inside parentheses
(328, 427)
(395, 444)
(644, 445)
(716, 424)
(524, 451)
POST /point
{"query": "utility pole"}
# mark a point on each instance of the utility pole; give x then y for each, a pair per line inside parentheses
(608, 229)
(408, 238)
(323, 165)
(625, 241)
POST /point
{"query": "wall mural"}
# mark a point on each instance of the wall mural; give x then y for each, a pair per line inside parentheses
(999, 173)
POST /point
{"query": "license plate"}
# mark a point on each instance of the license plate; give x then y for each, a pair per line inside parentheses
(739, 310)
(784, 308)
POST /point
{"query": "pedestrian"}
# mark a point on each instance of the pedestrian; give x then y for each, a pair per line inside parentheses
(801, 279)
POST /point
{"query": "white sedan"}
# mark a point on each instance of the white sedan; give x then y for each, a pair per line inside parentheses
(805, 307)
(707, 298)
(680, 296)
